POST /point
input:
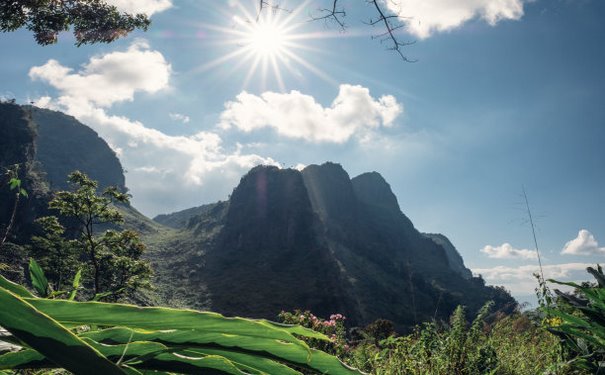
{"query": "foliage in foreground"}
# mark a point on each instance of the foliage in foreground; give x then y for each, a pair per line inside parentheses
(579, 319)
(491, 344)
(104, 338)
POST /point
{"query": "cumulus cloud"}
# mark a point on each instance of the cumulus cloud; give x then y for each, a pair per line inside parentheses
(507, 251)
(584, 244)
(180, 117)
(424, 18)
(295, 115)
(148, 7)
(110, 78)
(165, 172)
(520, 280)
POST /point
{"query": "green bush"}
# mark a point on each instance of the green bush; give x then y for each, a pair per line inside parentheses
(579, 320)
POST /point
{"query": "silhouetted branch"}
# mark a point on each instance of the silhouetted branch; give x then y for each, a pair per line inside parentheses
(390, 21)
(391, 24)
(336, 14)
(268, 4)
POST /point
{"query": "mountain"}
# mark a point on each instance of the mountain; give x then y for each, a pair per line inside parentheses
(48, 145)
(286, 239)
(316, 239)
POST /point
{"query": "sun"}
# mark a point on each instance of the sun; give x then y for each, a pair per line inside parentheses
(268, 44)
(267, 40)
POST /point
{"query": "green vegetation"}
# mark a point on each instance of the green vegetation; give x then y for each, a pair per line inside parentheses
(579, 320)
(14, 184)
(93, 21)
(103, 338)
(111, 260)
(498, 344)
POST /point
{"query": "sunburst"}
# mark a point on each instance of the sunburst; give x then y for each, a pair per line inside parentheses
(266, 44)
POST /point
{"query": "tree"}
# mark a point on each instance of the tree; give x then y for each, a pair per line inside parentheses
(59, 256)
(93, 21)
(112, 259)
(335, 13)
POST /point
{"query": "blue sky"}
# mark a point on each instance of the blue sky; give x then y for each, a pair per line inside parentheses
(504, 94)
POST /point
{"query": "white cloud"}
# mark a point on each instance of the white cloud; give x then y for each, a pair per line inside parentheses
(110, 78)
(148, 7)
(165, 172)
(507, 251)
(295, 115)
(520, 280)
(180, 117)
(424, 18)
(584, 244)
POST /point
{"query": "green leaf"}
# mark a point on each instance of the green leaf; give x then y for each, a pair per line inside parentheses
(28, 358)
(50, 338)
(191, 328)
(14, 183)
(100, 296)
(39, 281)
(198, 338)
(75, 284)
(23, 193)
(263, 365)
(14, 288)
(161, 318)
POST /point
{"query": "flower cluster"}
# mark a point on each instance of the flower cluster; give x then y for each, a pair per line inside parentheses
(333, 327)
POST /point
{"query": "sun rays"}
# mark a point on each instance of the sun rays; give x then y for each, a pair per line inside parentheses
(267, 45)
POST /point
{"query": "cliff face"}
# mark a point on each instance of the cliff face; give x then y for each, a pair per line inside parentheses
(454, 259)
(64, 144)
(47, 146)
(268, 257)
(322, 241)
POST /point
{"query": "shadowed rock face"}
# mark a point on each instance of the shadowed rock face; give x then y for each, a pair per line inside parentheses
(268, 257)
(49, 145)
(318, 240)
(454, 258)
(64, 144)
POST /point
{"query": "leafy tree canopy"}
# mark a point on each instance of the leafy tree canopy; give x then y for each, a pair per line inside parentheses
(112, 259)
(93, 21)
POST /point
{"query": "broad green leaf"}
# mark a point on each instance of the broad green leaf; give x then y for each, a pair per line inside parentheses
(289, 352)
(28, 358)
(192, 365)
(263, 365)
(23, 193)
(39, 281)
(161, 318)
(199, 337)
(48, 337)
(277, 337)
(14, 288)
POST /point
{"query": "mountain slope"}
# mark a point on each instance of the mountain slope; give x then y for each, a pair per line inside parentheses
(322, 241)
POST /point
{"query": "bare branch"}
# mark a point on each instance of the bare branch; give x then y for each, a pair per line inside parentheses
(391, 24)
(268, 4)
(335, 14)
(390, 21)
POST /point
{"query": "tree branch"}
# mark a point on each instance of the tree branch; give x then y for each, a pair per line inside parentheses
(335, 14)
(390, 29)
(391, 22)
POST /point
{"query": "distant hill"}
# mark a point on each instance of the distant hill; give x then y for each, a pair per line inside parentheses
(319, 240)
